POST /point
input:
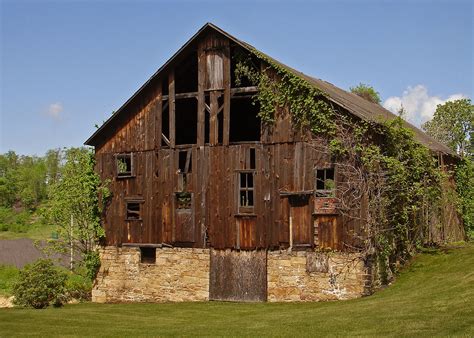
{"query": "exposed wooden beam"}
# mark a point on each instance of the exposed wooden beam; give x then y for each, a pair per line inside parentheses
(213, 121)
(233, 92)
(201, 96)
(164, 138)
(158, 117)
(172, 109)
(227, 95)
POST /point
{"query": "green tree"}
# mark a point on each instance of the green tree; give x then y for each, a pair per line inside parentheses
(366, 92)
(74, 203)
(453, 125)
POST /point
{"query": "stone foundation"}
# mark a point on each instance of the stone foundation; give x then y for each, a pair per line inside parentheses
(182, 274)
(314, 276)
(179, 275)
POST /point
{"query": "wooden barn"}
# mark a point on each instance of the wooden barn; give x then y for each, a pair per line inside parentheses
(209, 202)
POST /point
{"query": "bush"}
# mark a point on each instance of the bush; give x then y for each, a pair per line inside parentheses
(79, 287)
(40, 284)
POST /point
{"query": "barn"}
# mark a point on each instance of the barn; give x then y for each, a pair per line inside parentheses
(210, 201)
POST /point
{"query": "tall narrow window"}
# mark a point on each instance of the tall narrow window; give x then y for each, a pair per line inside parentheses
(325, 184)
(124, 163)
(246, 192)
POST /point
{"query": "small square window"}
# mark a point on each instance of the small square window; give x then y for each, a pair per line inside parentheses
(124, 165)
(325, 182)
(133, 211)
(148, 255)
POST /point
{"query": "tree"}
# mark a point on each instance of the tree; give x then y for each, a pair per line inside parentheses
(453, 125)
(366, 92)
(74, 203)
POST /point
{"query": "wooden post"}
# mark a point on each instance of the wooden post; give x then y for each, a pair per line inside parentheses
(158, 117)
(172, 109)
(201, 106)
(227, 77)
(214, 121)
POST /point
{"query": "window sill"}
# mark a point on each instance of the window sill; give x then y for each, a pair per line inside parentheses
(124, 177)
(242, 214)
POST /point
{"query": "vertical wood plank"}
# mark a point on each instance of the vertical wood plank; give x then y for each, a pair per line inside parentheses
(158, 117)
(172, 108)
(201, 98)
(226, 111)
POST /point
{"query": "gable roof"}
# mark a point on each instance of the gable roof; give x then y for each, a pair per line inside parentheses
(356, 105)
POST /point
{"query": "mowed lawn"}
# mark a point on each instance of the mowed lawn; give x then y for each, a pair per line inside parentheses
(433, 296)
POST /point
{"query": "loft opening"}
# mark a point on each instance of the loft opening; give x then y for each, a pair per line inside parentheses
(244, 120)
(186, 121)
(124, 165)
(240, 55)
(186, 74)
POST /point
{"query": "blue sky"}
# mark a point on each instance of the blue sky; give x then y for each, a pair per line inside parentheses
(66, 65)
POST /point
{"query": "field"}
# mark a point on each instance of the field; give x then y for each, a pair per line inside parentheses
(434, 295)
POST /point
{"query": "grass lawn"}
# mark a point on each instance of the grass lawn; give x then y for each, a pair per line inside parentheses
(433, 296)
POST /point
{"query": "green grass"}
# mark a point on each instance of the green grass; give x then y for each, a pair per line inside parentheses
(433, 296)
(8, 274)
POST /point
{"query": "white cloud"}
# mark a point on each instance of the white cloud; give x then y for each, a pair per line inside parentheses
(55, 110)
(418, 104)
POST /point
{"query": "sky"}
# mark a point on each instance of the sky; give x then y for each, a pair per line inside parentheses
(65, 66)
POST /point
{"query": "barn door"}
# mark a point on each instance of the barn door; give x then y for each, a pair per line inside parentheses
(300, 221)
(238, 276)
(329, 233)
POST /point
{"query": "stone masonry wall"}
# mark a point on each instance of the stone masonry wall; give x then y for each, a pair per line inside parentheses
(182, 274)
(314, 276)
(179, 274)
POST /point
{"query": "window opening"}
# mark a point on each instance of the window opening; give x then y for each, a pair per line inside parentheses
(124, 165)
(252, 158)
(246, 191)
(148, 255)
(183, 200)
(244, 120)
(186, 121)
(165, 123)
(133, 211)
(325, 183)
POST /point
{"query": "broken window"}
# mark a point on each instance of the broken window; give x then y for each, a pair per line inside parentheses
(147, 255)
(246, 191)
(183, 200)
(124, 165)
(133, 211)
(325, 183)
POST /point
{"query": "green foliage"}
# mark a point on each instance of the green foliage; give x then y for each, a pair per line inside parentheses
(78, 287)
(8, 276)
(308, 105)
(465, 189)
(453, 125)
(366, 92)
(14, 221)
(74, 205)
(40, 284)
(91, 263)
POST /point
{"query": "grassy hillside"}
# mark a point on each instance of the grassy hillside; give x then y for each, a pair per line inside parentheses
(433, 296)
(23, 224)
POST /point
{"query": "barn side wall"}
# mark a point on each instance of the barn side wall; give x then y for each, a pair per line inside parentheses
(183, 274)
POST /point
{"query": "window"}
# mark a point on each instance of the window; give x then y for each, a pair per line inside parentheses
(183, 200)
(133, 210)
(124, 165)
(148, 255)
(246, 191)
(325, 184)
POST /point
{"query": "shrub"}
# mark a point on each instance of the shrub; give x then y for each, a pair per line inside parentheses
(40, 284)
(79, 287)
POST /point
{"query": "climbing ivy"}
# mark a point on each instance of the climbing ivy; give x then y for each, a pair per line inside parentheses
(399, 176)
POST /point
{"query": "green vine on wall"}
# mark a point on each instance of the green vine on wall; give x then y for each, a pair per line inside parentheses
(403, 181)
